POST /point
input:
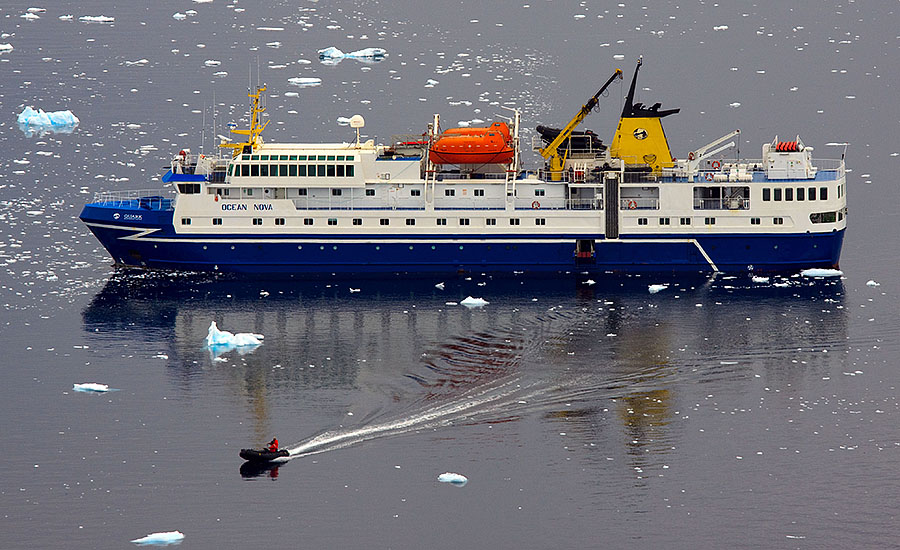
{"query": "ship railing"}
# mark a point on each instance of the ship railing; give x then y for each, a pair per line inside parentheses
(727, 203)
(465, 177)
(150, 199)
(830, 165)
(638, 203)
(585, 204)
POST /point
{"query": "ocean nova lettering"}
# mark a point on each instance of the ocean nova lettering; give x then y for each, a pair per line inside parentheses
(244, 207)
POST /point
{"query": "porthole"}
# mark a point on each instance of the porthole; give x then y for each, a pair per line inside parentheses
(334, 247)
(460, 247)
(232, 247)
(410, 247)
(433, 247)
(204, 247)
(377, 248)
(299, 247)
(322, 247)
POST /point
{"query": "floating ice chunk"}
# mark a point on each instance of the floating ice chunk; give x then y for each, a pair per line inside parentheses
(353, 290)
(212, 62)
(430, 83)
(474, 302)
(179, 16)
(30, 16)
(6, 47)
(36, 10)
(817, 272)
(757, 279)
(96, 19)
(217, 337)
(452, 478)
(439, 286)
(164, 538)
(653, 289)
(590, 282)
(734, 105)
(367, 53)
(91, 387)
(872, 283)
(331, 53)
(720, 28)
(142, 61)
(305, 81)
(343, 121)
(67, 17)
(31, 121)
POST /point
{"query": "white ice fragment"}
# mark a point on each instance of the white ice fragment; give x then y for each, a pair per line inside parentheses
(590, 282)
(818, 272)
(439, 286)
(167, 537)
(618, 56)
(758, 279)
(343, 121)
(217, 337)
(734, 105)
(212, 62)
(455, 479)
(54, 121)
(872, 283)
(91, 387)
(6, 48)
(305, 81)
(179, 16)
(368, 52)
(96, 19)
(474, 302)
(430, 83)
(653, 289)
(353, 290)
(331, 53)
(138, 62)
(30, 16)
(720, 28)
(67, 17)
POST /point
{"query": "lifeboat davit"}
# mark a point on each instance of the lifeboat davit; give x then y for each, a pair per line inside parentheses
(474, 146)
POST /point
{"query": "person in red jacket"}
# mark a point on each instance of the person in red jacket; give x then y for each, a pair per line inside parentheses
(273, 445)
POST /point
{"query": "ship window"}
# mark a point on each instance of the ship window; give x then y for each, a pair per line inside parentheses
(330, 157)
(330, 170)
(538, 192)
(710, 221)
(301, 170)
(292, 170)
(449, 192)
(685, 221)
(823, 193)
(264, 157)
(370, 192)
(664, 221)
(767, 194)
(464, 221)
(254, 170)
(188, 188)
(441, 221)
(257, 221)
(245, 170)
(384, 221)
(642, 221)
(302, 192)
(778, 221)
(283, 169)
(254, 157)
(263, 169)
(245, 157)
(320, 157)
(514, 221)
(357, 221)
(282, 157)
(320, 170)
(279, 221)
(754, 221)
(332, 221)
(349, 157)
(415, 192)
(491, 221)
(789, 194)
(301, 157)
(311, 170)
(812, 193)
(540, 221)
(801, 193)
(307, 221)
(410, 221)
(337, 192)
(479, 192)
(273, 169)
(340, 170)
(185, 221)
(230, 169)
(350, 171)
(823, 217)
(293, 157)
(217, 221)
(777, 193)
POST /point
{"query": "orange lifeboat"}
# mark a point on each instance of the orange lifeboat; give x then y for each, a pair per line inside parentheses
(474, 146)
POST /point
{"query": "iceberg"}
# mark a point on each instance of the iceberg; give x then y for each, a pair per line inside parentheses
(162, 539)
(653, 289)
(454, 479)
(91, 387)
(332, 55)
(40, 122)
(216, 338)
(6, 48)
(471, 302)
(818, 272)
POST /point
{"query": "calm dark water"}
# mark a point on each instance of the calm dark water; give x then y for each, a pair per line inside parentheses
(717, 413)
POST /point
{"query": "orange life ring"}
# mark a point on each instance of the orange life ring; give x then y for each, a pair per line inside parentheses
(536, 205)
(709, 176)
(716, 165)
(632, 205)
(691, 155)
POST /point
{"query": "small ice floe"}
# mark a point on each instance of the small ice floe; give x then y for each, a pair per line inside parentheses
(720, 28)
(454, 479)
(91, 387)
(67, 17)
(179, 16)
(872, 283)
(55, 119)
(161, 539)
(6, 48)
(758, 279)
(590, 282)
(430, 83)
(305, 82)
(96, 19)
(141, 61)
(439, 286)
(473, 302)
(734, 105)
(30, 16)
(212, 62)
(333, 56)
(818, 272)
(353, 290)
(217, 337)
(653, 289)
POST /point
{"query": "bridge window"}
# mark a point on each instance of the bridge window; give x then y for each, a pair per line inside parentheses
(823, 193)
(812, 193)
(263, 169)
(767, 194)
(245, 170)
(350, 168)
(801, 194)
(283, 169)
(789, 194)
(340, 170)
(330, 170)
(292, 170)
(254, 170)
(778, 191)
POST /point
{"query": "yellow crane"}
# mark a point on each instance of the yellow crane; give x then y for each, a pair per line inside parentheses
(556, 160)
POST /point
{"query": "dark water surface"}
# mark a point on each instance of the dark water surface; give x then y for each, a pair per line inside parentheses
(717, 413)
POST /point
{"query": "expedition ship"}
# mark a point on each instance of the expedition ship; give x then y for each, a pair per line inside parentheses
(459, 200)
